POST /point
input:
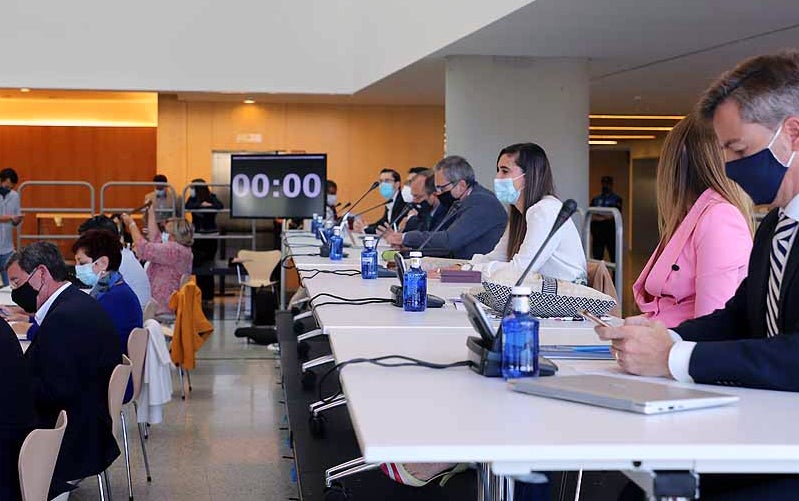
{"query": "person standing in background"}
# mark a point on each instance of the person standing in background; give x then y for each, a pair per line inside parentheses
(10, 216)
(163, 200)
(603, 228)
(203, 249)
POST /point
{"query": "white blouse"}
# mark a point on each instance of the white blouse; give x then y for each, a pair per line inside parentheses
(563, 258)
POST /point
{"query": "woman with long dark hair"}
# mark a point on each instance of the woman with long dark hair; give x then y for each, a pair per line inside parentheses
(524, 181)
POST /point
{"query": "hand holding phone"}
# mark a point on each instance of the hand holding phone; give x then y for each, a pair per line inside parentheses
(590, 316)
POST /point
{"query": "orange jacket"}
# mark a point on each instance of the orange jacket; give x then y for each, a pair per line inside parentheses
(191, 327)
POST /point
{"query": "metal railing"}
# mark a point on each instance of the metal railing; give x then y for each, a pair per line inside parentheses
(175, 210)
(618, 266)
(87, 211)
(229, 236)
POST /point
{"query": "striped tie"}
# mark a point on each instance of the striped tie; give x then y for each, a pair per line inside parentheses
(780, 248)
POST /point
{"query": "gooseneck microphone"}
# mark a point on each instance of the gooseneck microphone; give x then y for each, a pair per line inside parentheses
(566, 211)
(449, 216)
(371, 188)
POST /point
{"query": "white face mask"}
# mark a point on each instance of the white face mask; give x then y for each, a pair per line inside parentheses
(331, 200)
(192, 192)
(407, 196)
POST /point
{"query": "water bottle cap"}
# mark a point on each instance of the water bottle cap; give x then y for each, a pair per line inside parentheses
(368, 239)
(315, 215)
(416, 254)
(521, 290)
(328, 224)
(337, 231)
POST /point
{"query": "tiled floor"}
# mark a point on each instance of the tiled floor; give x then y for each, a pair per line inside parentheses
(222, 443)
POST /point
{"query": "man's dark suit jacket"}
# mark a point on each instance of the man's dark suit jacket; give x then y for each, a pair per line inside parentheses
(16, 410)
(70, 361)
(399, 205)
(427, 221)
(733, 348)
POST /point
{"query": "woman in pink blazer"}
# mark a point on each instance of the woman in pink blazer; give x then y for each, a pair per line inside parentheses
(705, 227)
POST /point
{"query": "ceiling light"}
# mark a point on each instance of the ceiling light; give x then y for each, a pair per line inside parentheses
(24, 89)
(620, 136)
(623, 127)
(605, 142)
(249, 101)
(637, 117)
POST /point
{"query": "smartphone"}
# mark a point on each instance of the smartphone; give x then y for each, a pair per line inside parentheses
(590, 316)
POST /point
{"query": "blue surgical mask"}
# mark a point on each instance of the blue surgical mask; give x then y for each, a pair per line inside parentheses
(387, 190)
(85, 274)
(164, 237)
(760, 175)
(505, 190)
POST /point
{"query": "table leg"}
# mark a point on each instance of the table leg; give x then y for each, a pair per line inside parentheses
(492, 487)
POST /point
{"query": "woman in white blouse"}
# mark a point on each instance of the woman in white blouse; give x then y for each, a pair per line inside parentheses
(524, 180)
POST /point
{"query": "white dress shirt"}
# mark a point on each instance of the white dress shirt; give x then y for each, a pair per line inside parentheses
(681, 351)
(134, 275)
(563, 258)
(45, 308)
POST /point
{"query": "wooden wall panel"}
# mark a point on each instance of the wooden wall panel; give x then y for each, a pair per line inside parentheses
(92, 154)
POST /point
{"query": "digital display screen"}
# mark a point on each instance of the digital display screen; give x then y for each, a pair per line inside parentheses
(286, 186)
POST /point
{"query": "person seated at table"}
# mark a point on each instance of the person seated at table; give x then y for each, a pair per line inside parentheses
(706, 230)
(478, 218)
(391, 191)
(204, 249)
(130, 267)
(331, 200)
(168, 253)
(16, 413)
(428, 212)
(70, 360)
(524, 181)
(97, 256)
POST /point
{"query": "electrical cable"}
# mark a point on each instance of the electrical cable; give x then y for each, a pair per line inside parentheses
(405, 361)
(313, 272)
(289, 256)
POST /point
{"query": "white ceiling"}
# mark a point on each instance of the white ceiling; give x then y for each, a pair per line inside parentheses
(646, 56)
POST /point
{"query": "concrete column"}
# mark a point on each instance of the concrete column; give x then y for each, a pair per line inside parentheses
(493, 102)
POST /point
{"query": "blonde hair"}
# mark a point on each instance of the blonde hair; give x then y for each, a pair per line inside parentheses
(691, 162)
(181, 230)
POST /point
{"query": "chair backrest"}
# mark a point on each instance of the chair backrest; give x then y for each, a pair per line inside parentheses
(137, 352)
(150, 309)
(184, 279)
(37, 459)
(116, 390)
(259, 264)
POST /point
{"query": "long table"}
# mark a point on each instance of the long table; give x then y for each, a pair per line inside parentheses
(422, 415)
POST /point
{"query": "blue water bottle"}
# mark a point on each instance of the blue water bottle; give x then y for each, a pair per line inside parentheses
(369, 259)
(414, 285)
(519, 337)
(315, 225)
(336, 245)
(327, 228)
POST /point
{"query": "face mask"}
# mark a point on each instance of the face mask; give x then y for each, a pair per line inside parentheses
(606, 190)
(85, 274)
(423, 207)
(25, 296)
(760, 175)
(446, 198)
(4, 190)
(164, 237)
(192, 192)
(160, 192)
(407, 196)
(506, 191)
(386, 190)
(331, 200)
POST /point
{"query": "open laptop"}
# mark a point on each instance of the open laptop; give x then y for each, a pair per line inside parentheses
(621, 393)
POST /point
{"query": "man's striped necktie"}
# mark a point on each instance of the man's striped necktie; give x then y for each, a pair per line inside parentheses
(780, 249)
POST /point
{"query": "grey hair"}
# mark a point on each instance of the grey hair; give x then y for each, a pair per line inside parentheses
(456, 168)
(766, 89)
(40, 253)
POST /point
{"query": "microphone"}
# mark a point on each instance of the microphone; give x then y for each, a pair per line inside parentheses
(403, 212)
(566, 211)
(371, 188)
(449, 216)
(346, 205)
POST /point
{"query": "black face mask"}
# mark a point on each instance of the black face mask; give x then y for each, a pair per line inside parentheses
(446, 198)
(423, 207)
(4, 190)
(25, 296)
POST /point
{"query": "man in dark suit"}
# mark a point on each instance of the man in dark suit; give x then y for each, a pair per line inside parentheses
(427, 211)
(477, 221)
(70, 360)
(754, 340)
(390, 190)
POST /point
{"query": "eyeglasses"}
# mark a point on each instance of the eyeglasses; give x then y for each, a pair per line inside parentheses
(440, 188)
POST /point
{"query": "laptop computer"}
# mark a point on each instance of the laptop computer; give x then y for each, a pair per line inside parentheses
(621, 393)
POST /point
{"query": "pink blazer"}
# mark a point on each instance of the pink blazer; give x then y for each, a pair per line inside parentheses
(700, 267)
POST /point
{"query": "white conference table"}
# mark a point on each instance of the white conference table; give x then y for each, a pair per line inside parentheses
(414, 414)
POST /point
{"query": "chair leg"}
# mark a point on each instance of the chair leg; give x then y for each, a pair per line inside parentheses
(144, 450)
(127, 453)
(188, 377)
(107, 478)
(182, 390)
(101, 486)
(238, 307)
